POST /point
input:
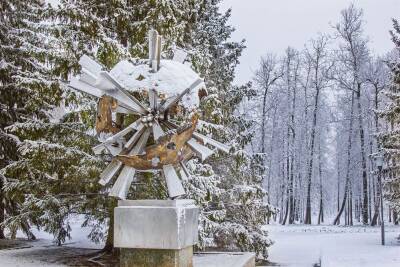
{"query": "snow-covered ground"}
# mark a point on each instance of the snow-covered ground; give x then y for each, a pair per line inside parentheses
(295, 245)
(44, 252)
(334, 246)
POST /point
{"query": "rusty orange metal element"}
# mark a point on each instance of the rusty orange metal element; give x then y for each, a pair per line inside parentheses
(171, 149)
(105, 107)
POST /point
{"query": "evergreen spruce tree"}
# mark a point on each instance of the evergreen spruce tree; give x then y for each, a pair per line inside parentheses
(390, 140)
(27, 90)
(45, 157)
(234, 216)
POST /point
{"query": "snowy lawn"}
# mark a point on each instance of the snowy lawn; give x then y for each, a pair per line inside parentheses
(295, 245)
(334, 246)
(43, 252)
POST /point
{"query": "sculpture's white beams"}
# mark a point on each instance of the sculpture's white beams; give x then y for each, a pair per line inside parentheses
(175, 99)
(158, 52)
(153, 38)
(110, 148)
(170, 80)
(184, 170)
(214, 143)
(135, 137)
(183, 175)
(174, 185)
(157, 131)
(153, 99)
(136, 125)
(120, 93)
(76, 84)
(110, 171)
(91, 65)
(201, 151)
(121, 186)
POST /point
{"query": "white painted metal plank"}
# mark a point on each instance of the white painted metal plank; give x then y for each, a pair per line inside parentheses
(113, 150)
(121, 186)
(90, 64)
(97, 150)
(88, 77)
(202, 152)
(153, 99)
(141, 144)
(79, 85)
(110, 171)
(122, 95)
(214, 143)
(183, 175)
(134, 137)
(174, 185)
(133, 126)
(157, 131)
(172, 100)
(184, 169)
(152, 45)
(76, 84)
(124, 180)
(158, 52)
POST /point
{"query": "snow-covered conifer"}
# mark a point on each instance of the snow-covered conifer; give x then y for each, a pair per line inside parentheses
(390, 139)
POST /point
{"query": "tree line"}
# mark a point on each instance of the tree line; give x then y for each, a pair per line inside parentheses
(319, 113)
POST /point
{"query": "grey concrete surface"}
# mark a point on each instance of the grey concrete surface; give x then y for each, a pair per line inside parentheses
(130, 257)
(155, 224)
(224, 259)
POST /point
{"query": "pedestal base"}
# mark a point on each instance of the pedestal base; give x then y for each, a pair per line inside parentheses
(135, 257)
(156, 232)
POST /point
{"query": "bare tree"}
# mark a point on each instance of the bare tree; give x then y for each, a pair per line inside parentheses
(318, 57)
(265, 77)
(348, 160)
(353, 55)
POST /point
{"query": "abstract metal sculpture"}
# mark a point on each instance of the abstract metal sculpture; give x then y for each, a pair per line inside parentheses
(153, 141)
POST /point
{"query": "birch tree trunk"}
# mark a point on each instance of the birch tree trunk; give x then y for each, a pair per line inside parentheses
(321, 203)
(347, 183)
(307, 219)
(363, 158)
(377, 195)
(2, 217)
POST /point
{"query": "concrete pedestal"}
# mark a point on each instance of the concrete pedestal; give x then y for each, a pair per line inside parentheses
(156, 232)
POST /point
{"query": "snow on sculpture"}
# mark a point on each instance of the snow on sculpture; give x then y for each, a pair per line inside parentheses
(154, 141)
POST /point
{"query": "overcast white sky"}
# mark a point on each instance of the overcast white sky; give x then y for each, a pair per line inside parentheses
(272, 25)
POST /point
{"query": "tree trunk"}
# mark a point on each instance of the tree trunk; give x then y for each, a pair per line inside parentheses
(291, 176)
(271, 150)
(351, 205)
(347, 183)
(2, 209)
(109, 245)
(321, 207)
(307, 219)
(363, 158)
(377, 196)
(395, 217)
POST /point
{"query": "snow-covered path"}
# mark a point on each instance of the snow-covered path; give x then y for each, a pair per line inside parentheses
(333, 246)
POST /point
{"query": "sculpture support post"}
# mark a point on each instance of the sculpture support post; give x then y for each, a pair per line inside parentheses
(156, 232)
